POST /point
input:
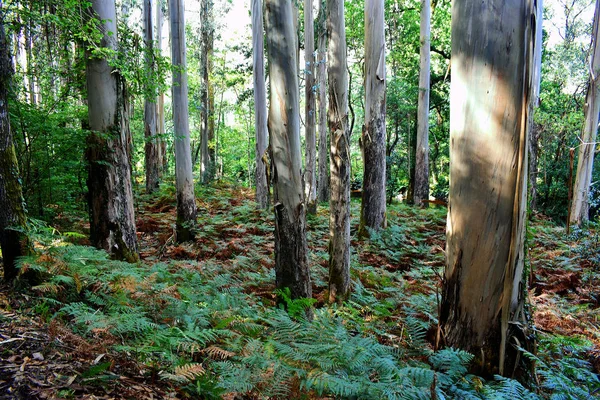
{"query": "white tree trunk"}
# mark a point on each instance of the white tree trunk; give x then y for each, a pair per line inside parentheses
(483, 293)
(291, 250)
(260, 104)
(373, 206)
(339, 149)
(150, 123)
(421, 191)
(184, 181)
(310, 176)
(583, 179)
(112, 221)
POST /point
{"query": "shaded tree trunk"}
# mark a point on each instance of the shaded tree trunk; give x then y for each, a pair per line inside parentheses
(421, 189)
(310, 117)
(373, 206)
(184, 181)
(291, 251)
(13, 239)
(160, 124)
(112, 221)
(152, 150)
(260, 104)
(321, 69)
(580, 207)
(483, 296)
(534, 131)
(206, 22)
(339, 151)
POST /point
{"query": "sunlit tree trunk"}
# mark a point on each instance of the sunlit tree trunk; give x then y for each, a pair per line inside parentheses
(160, 123)
(534, 131)
(13, 239)
(310, 115)
(421, 189)
(151, 145)
(291, 251)
(373, 207)
(260, 104)
(483, 296)
(112, 222)
(184, 181)
(580, 207)
(339, 148)
(321, 68)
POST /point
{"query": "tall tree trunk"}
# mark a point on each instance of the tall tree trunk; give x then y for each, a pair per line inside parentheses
(580, 207)
(483, 299)
(13, 239)
(291, 251)
(162, 152)
(206, 27)
(184, 180)
(151, 145)
(373, 207)
(310, 176)
(323, 183)
(421, 189)
(260, 104)
(534, 131)
(339, 148)
(112, 221)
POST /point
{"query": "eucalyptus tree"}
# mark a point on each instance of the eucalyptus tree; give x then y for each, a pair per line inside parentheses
(184, 181)
(260, 104)
(310, 116)
(321, 72)
(482, 309)
(421, 190)
(339, 152)
(13, 238)
(160, 121)
(152, 150)
(207, 158)
(533, 103)
(373, 207)
(580, 206)
(291, 250)
(112, 221)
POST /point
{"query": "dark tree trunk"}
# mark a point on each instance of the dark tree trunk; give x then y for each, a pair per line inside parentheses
(13, 239)
(323, 180)
(152, 151)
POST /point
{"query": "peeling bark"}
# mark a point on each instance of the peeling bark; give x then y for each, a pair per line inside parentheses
(184, 180)
(291, 250)
(483, 297)
(112, 221)
(339, 148)
(373, 206)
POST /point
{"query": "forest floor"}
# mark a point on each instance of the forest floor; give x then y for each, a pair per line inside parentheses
(200, 319)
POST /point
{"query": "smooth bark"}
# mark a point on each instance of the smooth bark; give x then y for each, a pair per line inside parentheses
(580, 207)
(373, 206)
(260, 105)
(321, 68)
(421, 189)
(184, 181)
(291, 251)
(112, 221)
(152, 150)
(339, 151)
(14, 242)
(483, 296)
(310, 114)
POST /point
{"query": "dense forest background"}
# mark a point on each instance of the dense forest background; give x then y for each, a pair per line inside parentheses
(207, 316)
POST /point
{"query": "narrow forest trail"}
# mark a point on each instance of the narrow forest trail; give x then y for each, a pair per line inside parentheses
(83, 352)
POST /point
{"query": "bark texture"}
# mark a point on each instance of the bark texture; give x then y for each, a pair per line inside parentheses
(310, 117)
(184, 181)
(373, 207)
(580, 208)
(291, 251)
(421, 189)
(152, 151)
(483, 295)
(260, 105)
(13, 239)
(339, 151)
(321, 69)
(112, 221)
